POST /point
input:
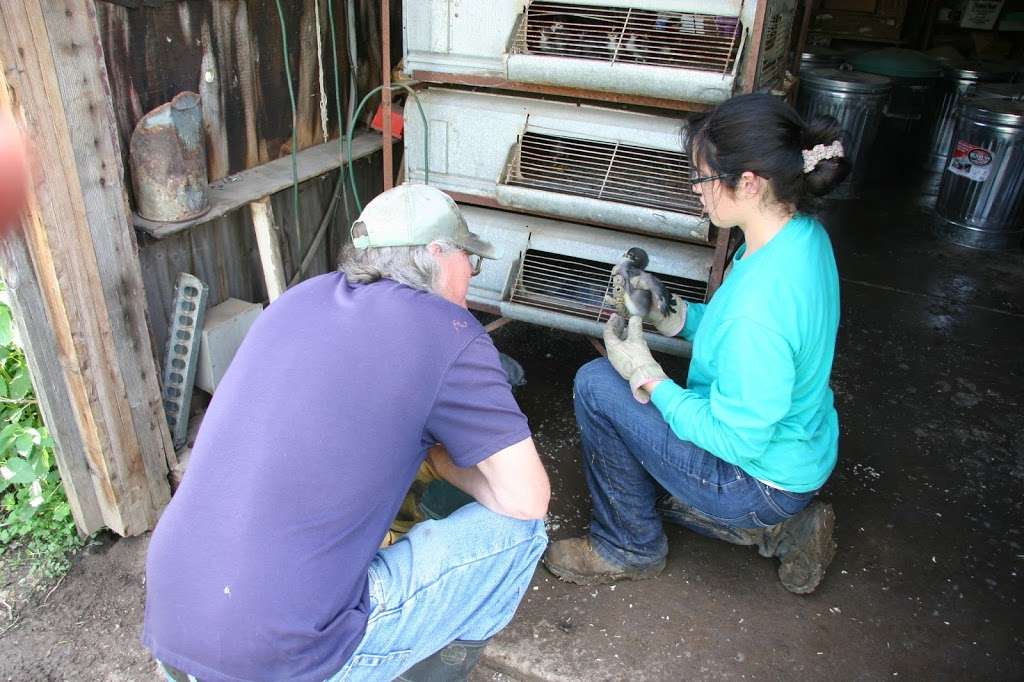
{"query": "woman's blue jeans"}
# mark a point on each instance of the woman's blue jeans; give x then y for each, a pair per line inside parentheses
(633, 462)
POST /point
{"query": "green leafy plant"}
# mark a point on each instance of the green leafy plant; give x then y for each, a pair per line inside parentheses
(34, 511)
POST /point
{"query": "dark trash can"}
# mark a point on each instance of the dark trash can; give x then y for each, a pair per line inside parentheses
(911, 107)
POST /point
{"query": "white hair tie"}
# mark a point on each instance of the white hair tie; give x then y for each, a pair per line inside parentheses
(820, 152)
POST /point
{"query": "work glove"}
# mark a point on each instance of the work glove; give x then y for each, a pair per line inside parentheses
(630, 356)
(668, 325)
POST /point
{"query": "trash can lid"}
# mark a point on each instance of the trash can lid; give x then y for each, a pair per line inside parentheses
(812, 54)
(842, 80)
(980, 70)
(898, 62)
(994, 110)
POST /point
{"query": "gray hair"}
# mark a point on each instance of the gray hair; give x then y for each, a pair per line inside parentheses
(413, 266)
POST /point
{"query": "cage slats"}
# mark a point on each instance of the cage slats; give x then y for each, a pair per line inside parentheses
(704, 42)
(577, 286)
(626, 174)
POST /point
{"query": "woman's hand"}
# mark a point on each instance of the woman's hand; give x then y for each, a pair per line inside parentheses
(669, 324)
(631, 357)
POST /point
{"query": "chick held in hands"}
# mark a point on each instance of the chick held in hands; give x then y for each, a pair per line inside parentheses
(638, 292)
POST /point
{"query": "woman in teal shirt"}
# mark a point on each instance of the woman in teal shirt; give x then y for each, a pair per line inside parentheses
(741, 450)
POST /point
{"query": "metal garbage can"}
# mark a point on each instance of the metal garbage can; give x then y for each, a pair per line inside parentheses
(959, 80)
(999, 90)
(981, 200)
(912, 104)
(856, 100)
(820, 58)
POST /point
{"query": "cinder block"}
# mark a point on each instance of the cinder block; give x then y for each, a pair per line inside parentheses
(225, 327)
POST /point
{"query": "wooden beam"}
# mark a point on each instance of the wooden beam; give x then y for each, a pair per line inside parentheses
(44, 360)
(385, 93)
(83, 253)
(268, 239)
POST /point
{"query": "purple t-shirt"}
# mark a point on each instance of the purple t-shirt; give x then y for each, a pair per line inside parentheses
(258, 567)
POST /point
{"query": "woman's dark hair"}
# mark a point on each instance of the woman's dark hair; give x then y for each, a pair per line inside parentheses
(762, 134)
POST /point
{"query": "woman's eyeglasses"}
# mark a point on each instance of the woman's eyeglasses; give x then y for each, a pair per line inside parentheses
(700, 180)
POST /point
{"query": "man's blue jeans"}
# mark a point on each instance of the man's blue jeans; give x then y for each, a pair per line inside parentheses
(457, 578)
(632, 458)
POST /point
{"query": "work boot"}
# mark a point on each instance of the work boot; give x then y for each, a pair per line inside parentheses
(803, 543)
(453, 663)
(804, 546)
(576, 561)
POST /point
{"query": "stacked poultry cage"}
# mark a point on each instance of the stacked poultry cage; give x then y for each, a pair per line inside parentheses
(560, 127)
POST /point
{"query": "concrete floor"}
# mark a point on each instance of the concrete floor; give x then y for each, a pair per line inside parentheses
(926, 583)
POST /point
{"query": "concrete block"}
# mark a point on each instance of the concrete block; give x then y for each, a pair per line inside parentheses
(225, 327)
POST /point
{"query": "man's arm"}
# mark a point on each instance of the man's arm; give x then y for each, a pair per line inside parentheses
(511, 482)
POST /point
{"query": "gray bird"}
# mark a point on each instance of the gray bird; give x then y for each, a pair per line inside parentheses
(641, 289)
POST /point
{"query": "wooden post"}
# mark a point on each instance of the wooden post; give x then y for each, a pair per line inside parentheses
(268, 240)
(82, 269)
(385, 93)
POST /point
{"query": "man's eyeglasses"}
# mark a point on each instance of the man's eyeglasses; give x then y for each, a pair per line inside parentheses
(700, 180)
(476, 262)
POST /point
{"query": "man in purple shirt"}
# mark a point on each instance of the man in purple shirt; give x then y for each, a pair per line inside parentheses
(265, 565)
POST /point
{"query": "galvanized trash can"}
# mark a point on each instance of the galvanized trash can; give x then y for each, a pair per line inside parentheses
(857, 101)
(999, 90)
(981, 200)
(912, 105)
(959, 80)
(821, 58)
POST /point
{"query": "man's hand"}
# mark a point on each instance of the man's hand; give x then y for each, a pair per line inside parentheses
(631, 357)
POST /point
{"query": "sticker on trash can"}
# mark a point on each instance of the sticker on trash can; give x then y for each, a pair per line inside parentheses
(971, 162)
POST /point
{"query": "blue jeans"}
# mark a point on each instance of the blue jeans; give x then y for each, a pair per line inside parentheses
(632, 459)
(457, 578)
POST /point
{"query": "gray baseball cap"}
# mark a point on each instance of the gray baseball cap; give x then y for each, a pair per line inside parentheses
(415, 215)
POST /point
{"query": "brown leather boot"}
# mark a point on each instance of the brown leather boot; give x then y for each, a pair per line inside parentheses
(805, 548)
(575, 561)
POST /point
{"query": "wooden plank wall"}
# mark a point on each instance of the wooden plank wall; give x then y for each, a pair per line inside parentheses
(231, 52)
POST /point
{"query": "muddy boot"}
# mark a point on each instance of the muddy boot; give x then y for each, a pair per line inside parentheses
(575, 561)
(804, 547)
(453, 663)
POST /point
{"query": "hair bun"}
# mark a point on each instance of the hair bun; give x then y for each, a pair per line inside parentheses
(827, 174)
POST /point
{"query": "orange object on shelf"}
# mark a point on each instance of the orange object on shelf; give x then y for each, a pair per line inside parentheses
(397, 121)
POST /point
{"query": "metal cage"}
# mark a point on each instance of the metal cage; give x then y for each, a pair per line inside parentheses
(588, 164)
(691, 52)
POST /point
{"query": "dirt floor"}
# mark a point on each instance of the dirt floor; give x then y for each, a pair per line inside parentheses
(928, 494)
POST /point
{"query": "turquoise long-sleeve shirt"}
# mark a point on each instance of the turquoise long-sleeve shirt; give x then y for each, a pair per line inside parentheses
(758, 394)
